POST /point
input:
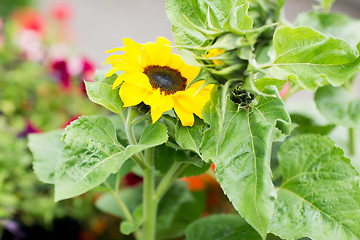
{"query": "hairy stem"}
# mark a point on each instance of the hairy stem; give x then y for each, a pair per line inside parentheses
(138, 158)
(163, 186)
(169, 179)
(123, 207)
(149, 203)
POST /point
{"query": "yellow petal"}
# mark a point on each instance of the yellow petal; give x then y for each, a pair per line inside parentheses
(113, 70)
(153, 99)
(166, 103)
(132, 46)
(189, 72)
(114, 62)
(159, 53)
(113, 50)
(113, 57)
(186, 118)
(127, 66)
(189, 102)
(118, 81)
(132, 95)
(139, 79)
(176, 62)
(146, 60)
(132, 77)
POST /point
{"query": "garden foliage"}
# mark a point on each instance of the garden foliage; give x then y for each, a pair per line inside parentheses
(284, 178)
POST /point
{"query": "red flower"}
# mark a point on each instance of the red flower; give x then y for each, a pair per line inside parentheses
(132, 179)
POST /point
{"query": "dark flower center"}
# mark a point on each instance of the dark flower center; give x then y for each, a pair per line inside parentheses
(167, 79)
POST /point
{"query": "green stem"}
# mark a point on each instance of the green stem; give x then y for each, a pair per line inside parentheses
(352, 142)
(123, 208)
(168, 180)
(163, 186)
(149, 203)
(129, 126)
(121, 204)
(138, 158)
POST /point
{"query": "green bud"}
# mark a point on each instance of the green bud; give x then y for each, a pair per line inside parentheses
(241, 97)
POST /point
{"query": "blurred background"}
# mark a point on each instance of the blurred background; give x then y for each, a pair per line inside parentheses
(47, 49)
(101, 25)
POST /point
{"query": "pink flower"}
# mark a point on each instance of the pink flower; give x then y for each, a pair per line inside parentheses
(59, 70)
(61, 11)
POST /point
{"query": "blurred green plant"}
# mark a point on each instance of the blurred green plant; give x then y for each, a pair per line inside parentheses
(8, 6)
(34, 98)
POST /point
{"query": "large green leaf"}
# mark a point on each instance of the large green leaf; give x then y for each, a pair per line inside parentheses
(101, 92)
(338, 106)
(239, 143)
(194, 21)
(333, 24)
(92, 153)
(46, 148)
(312, 59)
(320, 195)
(187, 213)
(221, 227)
(190, 137)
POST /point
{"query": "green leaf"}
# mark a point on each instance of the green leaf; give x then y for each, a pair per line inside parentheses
(128, 227)
(192, 207)
(338, 106)
(170, 203)
(221, 227)
(196, 21)
(239, 143)
(265, 11)
(92, 153)
(153, 135)
(101, 92)
(189, 138)
(305, 124)
(336, 25)
(312, 59)
(164, 158)
(46, 148)
(320, 196)
(261, 83)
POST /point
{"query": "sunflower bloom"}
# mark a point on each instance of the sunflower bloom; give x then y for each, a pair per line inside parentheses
(155, 76)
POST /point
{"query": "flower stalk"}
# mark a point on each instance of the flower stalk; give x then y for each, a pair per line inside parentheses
(149, 203)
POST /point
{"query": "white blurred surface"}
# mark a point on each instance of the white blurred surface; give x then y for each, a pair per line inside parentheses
(98, 25)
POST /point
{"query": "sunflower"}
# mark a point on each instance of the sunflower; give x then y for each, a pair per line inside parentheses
(159, 78)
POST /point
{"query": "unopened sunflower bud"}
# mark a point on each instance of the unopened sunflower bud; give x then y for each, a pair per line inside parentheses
(241, 97)
(223, 60)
